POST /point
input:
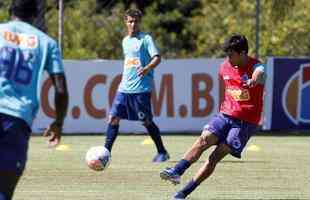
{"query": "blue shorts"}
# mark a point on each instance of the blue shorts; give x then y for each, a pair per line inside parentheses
(14, 139)
(135, 106)
(231, 131)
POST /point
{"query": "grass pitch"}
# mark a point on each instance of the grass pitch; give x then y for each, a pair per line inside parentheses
(272, 167)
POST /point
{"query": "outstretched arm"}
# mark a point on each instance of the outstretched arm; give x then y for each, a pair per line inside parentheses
(54, 131)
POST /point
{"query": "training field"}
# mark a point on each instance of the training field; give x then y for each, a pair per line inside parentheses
(271, 168)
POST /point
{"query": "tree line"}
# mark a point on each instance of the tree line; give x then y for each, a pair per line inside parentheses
(93, 29)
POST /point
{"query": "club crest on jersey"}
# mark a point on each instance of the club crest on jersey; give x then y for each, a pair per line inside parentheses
(245, 77)
(136, 47)
(21, 39)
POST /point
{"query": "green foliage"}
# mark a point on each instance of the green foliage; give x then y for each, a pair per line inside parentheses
(181, 29)
(88, 35)
(287, 35)
(168, 21)
(219, 19)
(4, 15)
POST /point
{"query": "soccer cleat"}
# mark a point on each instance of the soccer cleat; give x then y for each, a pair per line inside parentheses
(169, 174)
(161, 157)
(179, 196)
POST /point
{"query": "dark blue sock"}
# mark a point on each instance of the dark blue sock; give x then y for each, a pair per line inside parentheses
(155, 135)
(189, 187)
(112, 132)
(181, 166)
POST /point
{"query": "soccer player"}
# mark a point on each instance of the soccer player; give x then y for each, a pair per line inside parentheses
(25, 52)
(239, 116)
(133, 99)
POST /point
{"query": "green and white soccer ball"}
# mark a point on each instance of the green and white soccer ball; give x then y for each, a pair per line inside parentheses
(98, 158)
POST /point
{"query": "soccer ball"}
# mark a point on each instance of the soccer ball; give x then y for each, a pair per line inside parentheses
(98, 158)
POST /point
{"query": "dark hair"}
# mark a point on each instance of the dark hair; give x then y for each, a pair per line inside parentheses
(135, 13)
(24, 9)
(237, 43)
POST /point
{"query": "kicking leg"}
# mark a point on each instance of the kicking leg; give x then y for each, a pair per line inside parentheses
(205, 171)
(208, 167)
(112, 132)
(206, 140)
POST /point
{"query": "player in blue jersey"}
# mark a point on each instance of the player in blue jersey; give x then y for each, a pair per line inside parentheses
(25, 52)
(133, 99)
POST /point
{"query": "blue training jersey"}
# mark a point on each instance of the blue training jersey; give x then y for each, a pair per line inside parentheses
(138, 52)
(25, 52)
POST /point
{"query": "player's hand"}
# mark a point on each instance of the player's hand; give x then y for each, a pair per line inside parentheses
(142, 71)
(53, 134)
(249, 83)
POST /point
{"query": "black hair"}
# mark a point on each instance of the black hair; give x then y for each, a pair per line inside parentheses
(237, 43)
(134, 13)
(24, 9)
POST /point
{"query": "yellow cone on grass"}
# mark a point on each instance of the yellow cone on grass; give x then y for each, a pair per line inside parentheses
(63, 147)
(253, 147)
(147, 141)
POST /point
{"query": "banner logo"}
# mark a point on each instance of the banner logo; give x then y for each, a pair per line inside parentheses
(296, 96)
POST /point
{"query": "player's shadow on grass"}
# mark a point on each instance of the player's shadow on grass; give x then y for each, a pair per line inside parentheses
(229, 161)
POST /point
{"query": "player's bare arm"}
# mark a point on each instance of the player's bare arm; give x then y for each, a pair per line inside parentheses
(61, 105)
(258, 77)
(152, 65)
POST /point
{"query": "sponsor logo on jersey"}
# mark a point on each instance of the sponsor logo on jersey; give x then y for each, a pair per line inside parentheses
(132, 62)
(21, 39)
(238, 94)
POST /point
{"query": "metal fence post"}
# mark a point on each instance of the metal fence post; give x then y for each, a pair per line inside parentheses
(60, 24)
(257, 29)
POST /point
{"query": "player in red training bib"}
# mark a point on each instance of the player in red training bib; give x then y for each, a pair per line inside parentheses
(239, 116)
